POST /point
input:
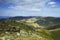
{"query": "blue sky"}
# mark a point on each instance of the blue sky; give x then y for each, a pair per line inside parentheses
(30, 8)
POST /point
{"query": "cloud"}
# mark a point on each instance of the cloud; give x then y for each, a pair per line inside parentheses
(28, 5)
(54, 3)
(24, 5)
(32, 9)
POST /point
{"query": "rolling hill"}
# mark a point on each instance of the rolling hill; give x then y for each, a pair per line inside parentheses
(30, 28)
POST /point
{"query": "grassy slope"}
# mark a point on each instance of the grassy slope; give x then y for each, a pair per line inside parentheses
(28, 25)
(55, 33)
(36, 35)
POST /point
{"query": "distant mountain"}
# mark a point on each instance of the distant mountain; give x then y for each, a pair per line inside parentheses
(22, 17)
(2, 17)
(42, 21)
(17, 17)
(48, 21)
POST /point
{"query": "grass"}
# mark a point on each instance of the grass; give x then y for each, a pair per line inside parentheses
(23, 34)
(37, 35)
(56, 34)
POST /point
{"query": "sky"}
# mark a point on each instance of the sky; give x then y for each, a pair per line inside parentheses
(30, 8)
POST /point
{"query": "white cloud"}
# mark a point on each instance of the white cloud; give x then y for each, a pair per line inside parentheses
(52, 3)
(29, 5)
(32, 9)
(24, 7)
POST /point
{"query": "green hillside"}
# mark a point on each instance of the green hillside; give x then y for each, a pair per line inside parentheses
(21, 31)
(48, 21)
(39, 28)
(56, 34)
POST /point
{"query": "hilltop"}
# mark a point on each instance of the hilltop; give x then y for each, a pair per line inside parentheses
(30, 28)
